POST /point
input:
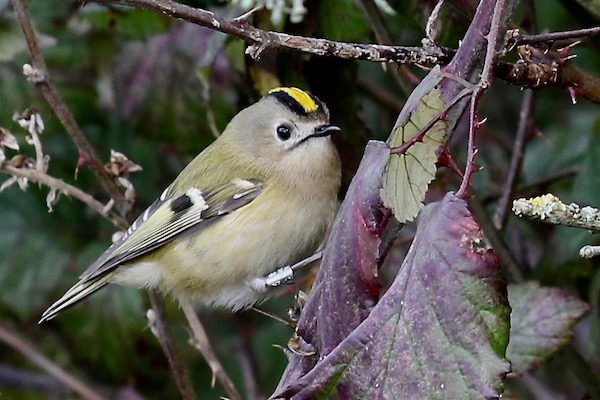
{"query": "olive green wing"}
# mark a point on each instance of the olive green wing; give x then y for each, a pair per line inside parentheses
(172, 216)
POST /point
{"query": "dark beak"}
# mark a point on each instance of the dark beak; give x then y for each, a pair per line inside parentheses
(325, 130)
(321, 131)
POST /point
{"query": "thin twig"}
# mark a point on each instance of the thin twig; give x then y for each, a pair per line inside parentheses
(274, 317)
(514, 167)
(202, 344)
(246, 358)
(491, 55)
(555, 36)
(379, 93)
(69, 190)
(373, 17)
(41, 382)
(42, 82)
(34, 356)
(493, 38)
(162, 333)
(470, 167)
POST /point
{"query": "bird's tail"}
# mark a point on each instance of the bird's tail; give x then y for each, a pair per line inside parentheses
(77, 293)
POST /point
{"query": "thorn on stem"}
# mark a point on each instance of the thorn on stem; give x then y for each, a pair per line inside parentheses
(242, 19)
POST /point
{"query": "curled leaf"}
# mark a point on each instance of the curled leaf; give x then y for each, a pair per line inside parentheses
(8, 140)
(31, 120)
(346, 289)
(129, 189)
(52, 198)
(7, 183)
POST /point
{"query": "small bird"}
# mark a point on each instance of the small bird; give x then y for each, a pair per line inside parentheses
(260, 197)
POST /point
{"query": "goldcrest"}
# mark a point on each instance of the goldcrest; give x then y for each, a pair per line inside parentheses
(262, 196)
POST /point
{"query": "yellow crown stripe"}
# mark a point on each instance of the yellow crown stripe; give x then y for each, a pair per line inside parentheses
(301, 97)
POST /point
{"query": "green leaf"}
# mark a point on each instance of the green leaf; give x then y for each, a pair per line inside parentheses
(407, 176)
(540, 323)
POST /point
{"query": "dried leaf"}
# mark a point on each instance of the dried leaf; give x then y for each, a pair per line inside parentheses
(129, 189)
(7, 139)
(52, 198)
(31, 120)
(7, 183)
(439, 332)
(540, 322)
(119, 165)
(23, 183)
(407, 176)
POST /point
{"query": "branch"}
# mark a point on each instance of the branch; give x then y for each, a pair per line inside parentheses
(16, 342)
(525, 121)
(156, 321)
(569, 76)
(491, 55)
(69, 190)
(553, 36)
(549, 209)
(200, 341)
(39, 76)
(261, 40)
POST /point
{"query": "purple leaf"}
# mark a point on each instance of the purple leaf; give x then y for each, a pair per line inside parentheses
(439, 332)
(345, 290)
(540, 323)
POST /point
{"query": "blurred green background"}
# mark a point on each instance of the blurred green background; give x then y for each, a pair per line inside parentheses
(148, 86)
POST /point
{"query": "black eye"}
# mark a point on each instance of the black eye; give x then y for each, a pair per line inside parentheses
(284, 132)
